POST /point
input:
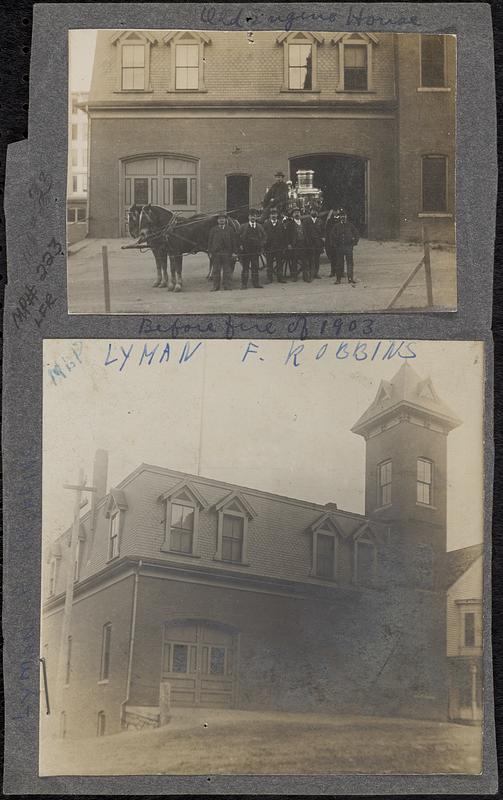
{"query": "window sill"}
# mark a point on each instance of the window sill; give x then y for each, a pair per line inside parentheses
(171, 552)
(133, 91)
(234, 563)
(426, 505)
(383, 508)
(186, 91)
(114, 558)
(434, 215)
(433, 88)
(286, 90)
(103, 683)
(355, 91)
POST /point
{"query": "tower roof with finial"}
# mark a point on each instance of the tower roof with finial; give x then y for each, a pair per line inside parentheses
(406, 389)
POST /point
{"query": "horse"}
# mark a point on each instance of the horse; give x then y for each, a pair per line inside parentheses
(166, 233)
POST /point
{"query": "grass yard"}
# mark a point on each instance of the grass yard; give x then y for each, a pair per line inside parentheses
(208, 741)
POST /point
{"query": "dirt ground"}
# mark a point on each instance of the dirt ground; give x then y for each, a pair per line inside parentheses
(209, 741)
(380, 269)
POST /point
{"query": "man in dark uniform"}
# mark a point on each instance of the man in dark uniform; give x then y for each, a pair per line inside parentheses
(342, 236)
(277, 195)
(222, 248)
(316, 229)
(299, 245)
(251, 245)
(275, 245)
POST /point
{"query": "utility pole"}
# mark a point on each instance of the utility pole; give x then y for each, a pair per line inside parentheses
(79, 488)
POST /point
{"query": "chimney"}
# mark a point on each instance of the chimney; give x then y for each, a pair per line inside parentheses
(100, 474)
(331, 506)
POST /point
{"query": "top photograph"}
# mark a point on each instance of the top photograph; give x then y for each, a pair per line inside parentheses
(214, 172)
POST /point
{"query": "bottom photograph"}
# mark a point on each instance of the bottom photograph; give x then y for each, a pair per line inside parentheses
(262, 557)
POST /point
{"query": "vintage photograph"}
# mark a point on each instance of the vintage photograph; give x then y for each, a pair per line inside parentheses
(262, 558)
(261, 171)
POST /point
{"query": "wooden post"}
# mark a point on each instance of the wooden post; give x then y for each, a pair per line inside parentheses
(66, 622)
(164, 703)
(106, 278)
(405, 284)
(427, 268)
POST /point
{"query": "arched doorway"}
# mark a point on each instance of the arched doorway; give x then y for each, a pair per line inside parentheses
(162, 179)
(200, 662)
(343, 181)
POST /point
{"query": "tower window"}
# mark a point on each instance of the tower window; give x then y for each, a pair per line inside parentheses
(432, 61)
(424, 481)
(384, 474)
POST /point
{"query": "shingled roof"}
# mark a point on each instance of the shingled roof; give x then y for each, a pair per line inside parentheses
(408, 388)
(457, 562)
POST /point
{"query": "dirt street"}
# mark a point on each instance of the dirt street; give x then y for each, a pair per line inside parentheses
(380, 269)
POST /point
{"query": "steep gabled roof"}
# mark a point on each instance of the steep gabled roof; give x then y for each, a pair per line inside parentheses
(457, 562)
(407, 388)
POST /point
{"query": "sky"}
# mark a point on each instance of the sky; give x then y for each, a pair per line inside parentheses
(259, 422)
(82, 44)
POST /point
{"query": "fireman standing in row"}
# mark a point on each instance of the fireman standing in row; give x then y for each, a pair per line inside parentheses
(341, 237)
(275, 246)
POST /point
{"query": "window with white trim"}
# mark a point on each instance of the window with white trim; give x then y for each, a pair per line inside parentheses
(384, 478)
(300, 60)
(355, 61)
(106, 647)
(234, 515)
(113, 540)
(424, 491)
(187, 60)
(232, 538)
(434, 184)
(133, 60)
(182, 527)
(470, 627)
(432, 61)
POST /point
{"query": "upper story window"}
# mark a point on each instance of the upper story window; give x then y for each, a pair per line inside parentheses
(432, 61)
(133, 60)
(424, 562)
(115, 509)
(133, 66)
(434, 184)
(300, 60)
(355, 68)
(187, 60)
(234, 515)
(182, 528)
(384, 478)
(300, 66)
(182, 506)
(355, 61)
(469, 629)
(232, 538)
(113, 540)
(186, 66)
(325, 555)
(106, 647)
(424, 491)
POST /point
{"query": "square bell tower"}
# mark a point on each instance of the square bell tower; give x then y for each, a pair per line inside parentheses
(405, 430)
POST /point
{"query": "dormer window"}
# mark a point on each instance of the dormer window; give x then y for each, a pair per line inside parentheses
(115, 509)
(133, 60)
(325, 535)
(187, 60)
(355, 61)
(300, 57)
(182, 506)
(234, 514)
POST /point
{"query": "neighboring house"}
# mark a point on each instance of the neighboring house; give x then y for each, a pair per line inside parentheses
(464, 580)
(247, 599)
(77, 183)
(196, 121)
